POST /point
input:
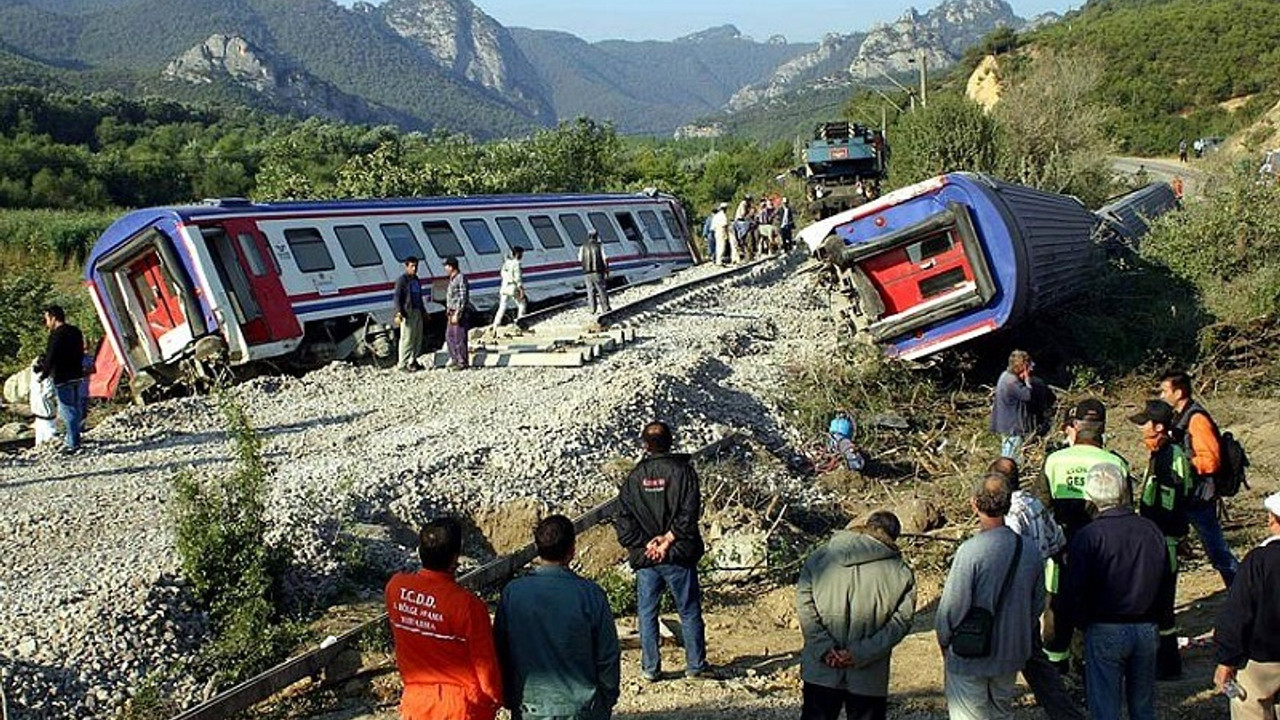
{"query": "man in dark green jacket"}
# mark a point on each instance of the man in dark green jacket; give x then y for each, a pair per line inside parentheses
(555, 637)
(855, 599)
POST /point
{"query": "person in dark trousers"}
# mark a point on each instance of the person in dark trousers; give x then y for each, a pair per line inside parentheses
(409, 312)
(457, 300)
(1062, 479)
(1166, 488)
(787, 225)
(1195, 429)
(63, 361)
(657, 523)
(855, 599)
(595, 271)
(1030, 519)
(562, 664)
(1010, 414)
(1247, 634)
(1114, 586)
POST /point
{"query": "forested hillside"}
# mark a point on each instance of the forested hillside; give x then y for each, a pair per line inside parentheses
(1169, 64)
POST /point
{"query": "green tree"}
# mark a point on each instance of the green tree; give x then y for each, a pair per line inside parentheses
(951, 134)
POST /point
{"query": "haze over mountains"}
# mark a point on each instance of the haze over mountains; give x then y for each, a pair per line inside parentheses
(445, 64)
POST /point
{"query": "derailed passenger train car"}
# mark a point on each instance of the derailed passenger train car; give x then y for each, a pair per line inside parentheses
(187, 292)
(936, 264)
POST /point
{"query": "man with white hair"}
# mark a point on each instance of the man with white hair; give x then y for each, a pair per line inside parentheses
(1248, 628)
(1118, 575)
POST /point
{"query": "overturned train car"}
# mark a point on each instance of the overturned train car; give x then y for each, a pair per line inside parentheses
(933, 265)
(188, 294)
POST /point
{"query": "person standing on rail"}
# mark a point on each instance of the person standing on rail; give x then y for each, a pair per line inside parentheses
(443, 641)
(1011, 413)
(457, 301)
(1198, 434)
(63, 361)
(409, 312)
(1166, 490)
(855, 600)
(720, 226)
(595, 270)
(1062, 480)
(562, 664)
(1247, 634)
(512, 288)
(1030, 519)
(659, 507)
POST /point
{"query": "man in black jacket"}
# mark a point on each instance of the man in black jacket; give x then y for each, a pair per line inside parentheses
(63, 360)
(1247, 633)
(409, 312)
(658, 525)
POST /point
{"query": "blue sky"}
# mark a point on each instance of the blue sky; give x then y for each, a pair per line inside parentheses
(669, 19)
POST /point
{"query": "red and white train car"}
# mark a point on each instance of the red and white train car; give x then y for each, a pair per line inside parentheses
(299, 284)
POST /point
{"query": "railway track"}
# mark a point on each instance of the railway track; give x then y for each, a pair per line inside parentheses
(312, 663)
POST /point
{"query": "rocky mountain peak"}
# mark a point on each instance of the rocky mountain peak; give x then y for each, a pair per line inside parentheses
(715, 34)
(225, 56)
(461, 38)
(939, 36)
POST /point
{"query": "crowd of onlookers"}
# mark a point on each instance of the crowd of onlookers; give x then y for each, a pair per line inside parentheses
(1091, 547)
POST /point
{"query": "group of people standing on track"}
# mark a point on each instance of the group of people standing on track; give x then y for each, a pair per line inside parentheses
(757, 228)
(460, 316)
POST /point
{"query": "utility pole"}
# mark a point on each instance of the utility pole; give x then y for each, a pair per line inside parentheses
(924, 79)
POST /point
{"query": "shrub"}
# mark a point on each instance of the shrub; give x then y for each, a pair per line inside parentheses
(220, 526)
(952, 134)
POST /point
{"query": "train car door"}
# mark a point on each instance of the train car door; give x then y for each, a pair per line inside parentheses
(249, 274)
(162, 314)
(920, 272)
(631, 230)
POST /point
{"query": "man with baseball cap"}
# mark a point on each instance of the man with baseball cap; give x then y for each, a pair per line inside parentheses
(1063, 478)
(1166, 489)
(1247, 634)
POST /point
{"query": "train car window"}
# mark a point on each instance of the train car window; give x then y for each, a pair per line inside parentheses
(442, 237)
(309, 250)
(401, 240)
(481, 236)
(142, 287)
(573, 225)
(670, 218)
(546, 231)
(513, 232)
(650, 220)
(357, 245)
(941, 283)
(249, 249)
(929, 247)
(627, 222)
(600, 221)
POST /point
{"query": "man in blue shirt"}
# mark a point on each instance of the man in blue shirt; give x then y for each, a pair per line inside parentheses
(409, 311)
(1010, 414)
(556, 638)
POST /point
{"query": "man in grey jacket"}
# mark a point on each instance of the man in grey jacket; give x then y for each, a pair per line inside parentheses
(555, 637)
(855, 599)
(982, 688)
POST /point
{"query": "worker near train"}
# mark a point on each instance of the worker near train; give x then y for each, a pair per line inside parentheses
(512, 288)
(659, 507)
(63, 361)
(720, 226)
(1166, 491)
(409, 315)
(457, 301)
(595, 271)
(1062, 481)
(1011, 412)
(561, 665)
(443, 640)
(1198, 434)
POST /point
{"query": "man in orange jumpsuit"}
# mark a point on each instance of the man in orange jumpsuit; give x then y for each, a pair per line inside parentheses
(444, 642)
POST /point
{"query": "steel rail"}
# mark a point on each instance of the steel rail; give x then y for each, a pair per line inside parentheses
(261, 687)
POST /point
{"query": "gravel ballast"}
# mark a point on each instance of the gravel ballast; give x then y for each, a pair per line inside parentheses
(91, 598)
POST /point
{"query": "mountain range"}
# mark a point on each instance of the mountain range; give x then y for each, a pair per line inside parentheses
(445, 64)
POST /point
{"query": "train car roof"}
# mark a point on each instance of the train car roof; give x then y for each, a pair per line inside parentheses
(133, 222)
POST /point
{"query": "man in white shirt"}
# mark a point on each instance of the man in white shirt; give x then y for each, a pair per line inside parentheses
(512, 288)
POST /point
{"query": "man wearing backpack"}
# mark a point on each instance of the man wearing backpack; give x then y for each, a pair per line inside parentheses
(1199, 436)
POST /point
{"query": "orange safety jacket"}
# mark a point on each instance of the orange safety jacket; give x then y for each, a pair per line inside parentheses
(444, 648)
(1205, 450)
